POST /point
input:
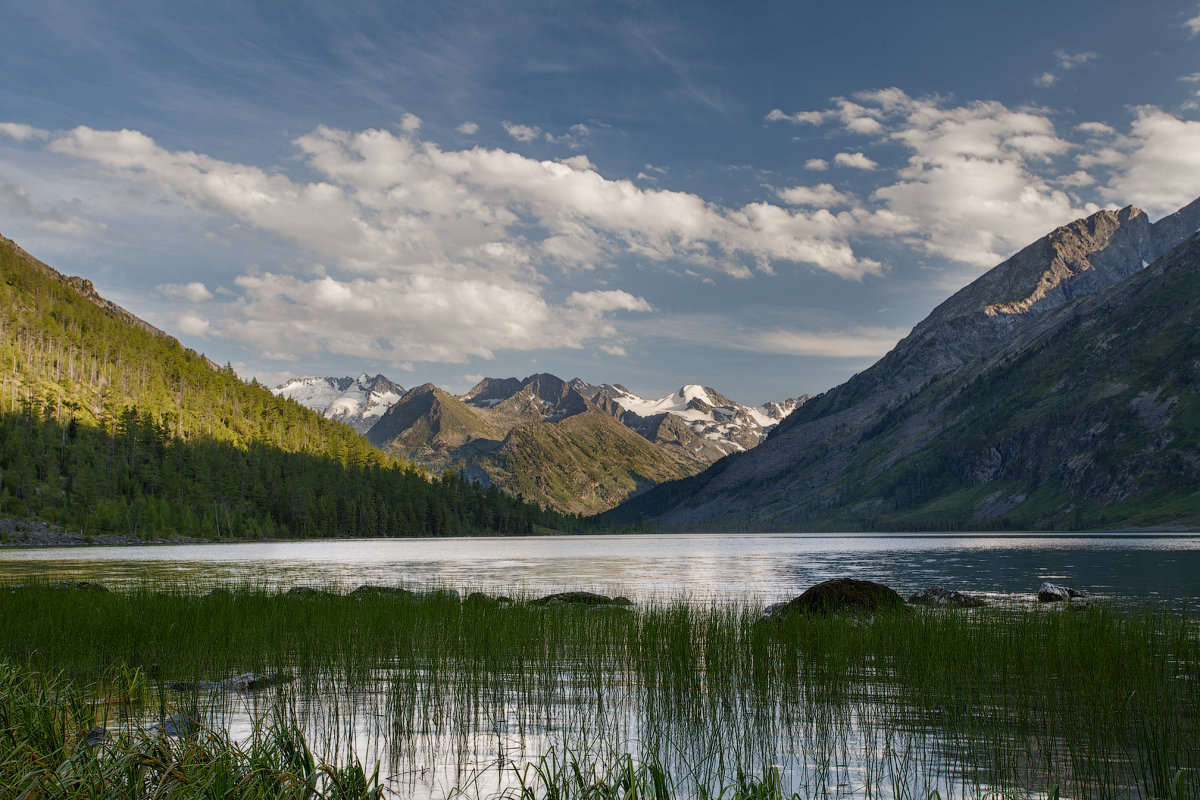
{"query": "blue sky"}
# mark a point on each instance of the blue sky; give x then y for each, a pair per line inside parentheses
(759, 197)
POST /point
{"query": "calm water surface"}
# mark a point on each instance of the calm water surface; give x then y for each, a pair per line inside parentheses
(702, 567)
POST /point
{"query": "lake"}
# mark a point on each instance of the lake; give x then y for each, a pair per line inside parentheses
(442, 713)
(751, 568)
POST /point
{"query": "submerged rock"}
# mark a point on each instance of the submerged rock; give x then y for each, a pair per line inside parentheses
(582, 599)
(839, 595)
(306, 592)
(95, 736)
(245, 682)
(1053, 593)
(80, 586)
(371, 590)
(940, 596)
(181, 724)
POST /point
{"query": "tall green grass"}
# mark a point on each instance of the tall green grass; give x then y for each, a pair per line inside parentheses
(1099, 702)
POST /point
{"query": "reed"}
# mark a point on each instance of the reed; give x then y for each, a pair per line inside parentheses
(455, 697)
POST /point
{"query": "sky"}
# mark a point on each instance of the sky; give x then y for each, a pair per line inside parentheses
(759, 197)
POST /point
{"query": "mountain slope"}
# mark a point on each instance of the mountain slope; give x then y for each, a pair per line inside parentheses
(538, 438)
(1029, 399)
(107, 425)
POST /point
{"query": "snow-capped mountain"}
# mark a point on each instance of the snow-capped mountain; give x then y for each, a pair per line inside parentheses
(717, 422)
(357, 402)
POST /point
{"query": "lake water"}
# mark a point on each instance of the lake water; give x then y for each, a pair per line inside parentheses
(751, 568)
(467, 725)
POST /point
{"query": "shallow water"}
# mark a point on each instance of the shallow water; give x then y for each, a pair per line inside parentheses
(703, 567)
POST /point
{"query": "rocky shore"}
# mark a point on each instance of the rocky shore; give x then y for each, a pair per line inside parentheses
(30, 533)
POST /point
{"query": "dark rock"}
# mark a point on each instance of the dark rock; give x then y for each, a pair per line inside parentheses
(306, 592)
(1053, 593)
(181, 724)
(395, 592)
(624, 602)
(574, 598)
(841, 594)
(939, 596)
(245, 682)
(442, 594)
(79, 586)
(95, 736)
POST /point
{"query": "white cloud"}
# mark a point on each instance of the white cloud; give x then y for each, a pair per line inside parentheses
(823, 195)
(421, 318)
(22, 132)
(1192, 78)
(16, 201)
(192, 324)
(1157, 166)
(1193, 25)
(1072, 60)
(468, 128)
(522, 133)
(410, 123)
(816, 164)
(855, 343)
(435, 254)
(611, 300)
(1066, 61)
(854, 160)
(1096, 129)
(194, 292)
(979, 180)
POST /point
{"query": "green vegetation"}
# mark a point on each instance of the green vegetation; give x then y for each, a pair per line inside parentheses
(45, 753)
(585, 463)
(109, 427)
(1098, 702)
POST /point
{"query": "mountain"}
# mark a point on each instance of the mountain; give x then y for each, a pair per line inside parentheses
(1059, 390)
(697, 421)
(357, 402)
(538, 438)
(109, 426)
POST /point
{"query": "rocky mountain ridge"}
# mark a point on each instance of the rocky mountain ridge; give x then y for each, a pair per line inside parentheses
(1035, 341)
(357, 402)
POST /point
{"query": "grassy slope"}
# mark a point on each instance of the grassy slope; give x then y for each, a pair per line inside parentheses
(584, 463)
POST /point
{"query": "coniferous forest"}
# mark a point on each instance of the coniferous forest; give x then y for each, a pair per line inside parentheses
(108, 426)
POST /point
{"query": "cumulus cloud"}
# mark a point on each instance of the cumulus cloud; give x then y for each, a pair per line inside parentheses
(15, 201)
(522, 133)
(1192, 25)
(414, 317)
(22, 132)
(410, 123)
(434, 254)
(468, 128)
(194, 292)
(823, 195)
(978, 182)
(816, 164)
(1156, 166)
(854, 160)
(385, 202)
(192, 324)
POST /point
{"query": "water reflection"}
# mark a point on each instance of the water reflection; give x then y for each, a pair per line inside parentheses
(703, 567)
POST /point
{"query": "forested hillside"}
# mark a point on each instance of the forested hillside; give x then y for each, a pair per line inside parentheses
(110, 426)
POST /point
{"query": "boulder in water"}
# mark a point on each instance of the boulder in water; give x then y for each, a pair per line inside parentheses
(840, 595)
(1053, 593)
(940, 596)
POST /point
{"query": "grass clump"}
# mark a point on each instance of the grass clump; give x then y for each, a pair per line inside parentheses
(50, 748)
